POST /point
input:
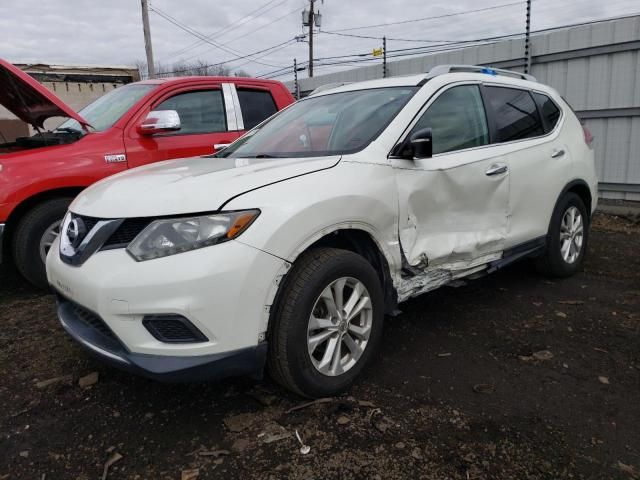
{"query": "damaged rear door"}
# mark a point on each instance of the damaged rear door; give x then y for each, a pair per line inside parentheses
(453, 207)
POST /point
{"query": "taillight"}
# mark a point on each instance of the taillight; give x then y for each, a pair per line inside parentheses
(588, 137)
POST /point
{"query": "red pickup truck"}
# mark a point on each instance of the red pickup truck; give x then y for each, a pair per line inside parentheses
(133, 125)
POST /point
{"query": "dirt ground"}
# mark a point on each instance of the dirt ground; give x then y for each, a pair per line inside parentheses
(509, 377)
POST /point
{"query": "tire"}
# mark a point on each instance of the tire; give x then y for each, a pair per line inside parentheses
(554, 262)
(28, 235)
(289, 361)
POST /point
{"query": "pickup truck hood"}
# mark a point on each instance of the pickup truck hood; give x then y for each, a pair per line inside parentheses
(29, 100)
(193, 185)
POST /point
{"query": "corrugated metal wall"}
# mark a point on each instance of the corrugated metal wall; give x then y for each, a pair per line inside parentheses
(595, 66)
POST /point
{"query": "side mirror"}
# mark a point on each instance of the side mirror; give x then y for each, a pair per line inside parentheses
(160, 121)
(422, 143)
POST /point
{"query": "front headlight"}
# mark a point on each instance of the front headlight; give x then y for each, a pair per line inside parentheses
(176, 235)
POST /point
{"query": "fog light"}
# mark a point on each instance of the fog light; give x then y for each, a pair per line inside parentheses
(173, 329)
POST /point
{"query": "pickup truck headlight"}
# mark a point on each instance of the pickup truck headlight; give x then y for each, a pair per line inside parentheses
(169, 236)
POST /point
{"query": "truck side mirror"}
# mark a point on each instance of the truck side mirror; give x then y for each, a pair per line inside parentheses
(422, 143)
(160, 121)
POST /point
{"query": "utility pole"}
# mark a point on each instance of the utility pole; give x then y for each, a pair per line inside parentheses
(527, 40)
(311, 19)
(151, 68)
(384, 57)
(312, 14)
(295, 78)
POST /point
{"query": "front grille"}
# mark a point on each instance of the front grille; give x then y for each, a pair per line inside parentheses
(126, 232)
(89, 222)
(173, 329)
(122, 236)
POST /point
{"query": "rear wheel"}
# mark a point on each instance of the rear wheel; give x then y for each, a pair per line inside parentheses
(327, 323)
(33, 237)
(567, 238)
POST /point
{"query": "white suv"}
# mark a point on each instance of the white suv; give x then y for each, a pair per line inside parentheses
(289, 247)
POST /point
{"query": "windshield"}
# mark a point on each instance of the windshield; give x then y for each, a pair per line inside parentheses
(331, 124)
(107, 110)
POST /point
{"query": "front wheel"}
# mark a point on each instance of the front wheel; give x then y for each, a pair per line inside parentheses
(33, 238)
(327, 323)
(567, 238)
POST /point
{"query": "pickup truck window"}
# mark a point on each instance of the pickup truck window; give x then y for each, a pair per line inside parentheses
(256, 105)
(324, 125)
(107, 110)
(200, 111)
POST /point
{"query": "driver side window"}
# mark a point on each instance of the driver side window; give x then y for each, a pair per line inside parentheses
(457, 120)
(200, 111)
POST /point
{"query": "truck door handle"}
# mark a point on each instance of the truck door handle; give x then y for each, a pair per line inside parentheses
(220, 146)
(557, 153)
(496, 169)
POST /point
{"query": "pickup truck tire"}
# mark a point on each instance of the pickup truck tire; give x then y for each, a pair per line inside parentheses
(567, 238)
(28, 234)
(320, 278)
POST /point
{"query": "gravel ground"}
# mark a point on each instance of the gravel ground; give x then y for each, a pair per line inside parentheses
(511, 376)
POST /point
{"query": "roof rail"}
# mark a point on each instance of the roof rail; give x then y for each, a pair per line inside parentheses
(328, 86)
(442, 69)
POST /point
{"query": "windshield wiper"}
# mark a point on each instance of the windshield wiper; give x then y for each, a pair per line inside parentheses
(69, 130)
(264, 155)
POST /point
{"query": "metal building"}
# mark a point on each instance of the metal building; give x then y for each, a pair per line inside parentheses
(595, 66)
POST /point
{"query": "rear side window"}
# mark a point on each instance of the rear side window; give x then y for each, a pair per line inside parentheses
(516, 115)
(550, 111)
(256, 105)
(457, 120)
(201, 111)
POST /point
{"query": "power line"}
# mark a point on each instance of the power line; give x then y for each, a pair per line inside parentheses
(208, 39)
(283, 69)
(245, 34)
(274, 49)
(291, 40)
(427, 18)
(220, 32)
(388, 38)
(344, 60)
(399, 53)
(356, 58)
(197, 34)
(426, 48)
(250, 16)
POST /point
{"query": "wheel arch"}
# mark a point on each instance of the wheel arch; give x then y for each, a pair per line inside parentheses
(580, 188)
(363, 243)
(29, 202)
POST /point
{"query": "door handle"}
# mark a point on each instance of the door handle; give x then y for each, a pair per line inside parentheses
(557, 153)
(497, 169)
(220, 146)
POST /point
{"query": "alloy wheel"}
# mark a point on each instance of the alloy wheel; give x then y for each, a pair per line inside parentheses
(339, 326)
(49, 236)
(571, 235)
